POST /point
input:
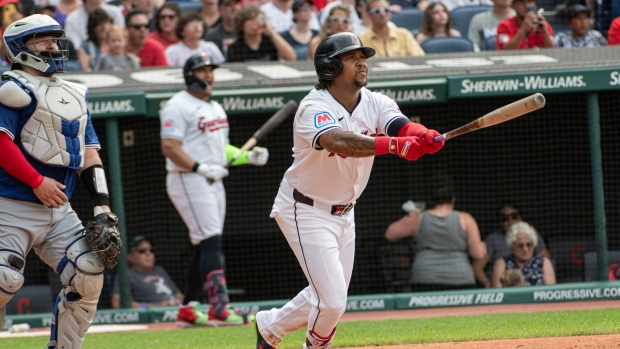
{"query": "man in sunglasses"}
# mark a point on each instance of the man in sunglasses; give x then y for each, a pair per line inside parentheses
(150, 52)
(388, 41)
(151, 285)
(508, 214)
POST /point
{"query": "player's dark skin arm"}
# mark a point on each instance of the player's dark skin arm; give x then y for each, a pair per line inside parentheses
(348, 143)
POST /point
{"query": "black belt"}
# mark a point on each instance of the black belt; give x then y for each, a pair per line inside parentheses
(336, 210)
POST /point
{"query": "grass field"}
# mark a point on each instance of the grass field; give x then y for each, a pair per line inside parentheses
(366, 333)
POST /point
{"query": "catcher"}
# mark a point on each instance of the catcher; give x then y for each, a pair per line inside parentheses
(47, 139)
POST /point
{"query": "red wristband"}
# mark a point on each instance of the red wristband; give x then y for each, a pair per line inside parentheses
(411, 129)
(382, 145)
(14, 162)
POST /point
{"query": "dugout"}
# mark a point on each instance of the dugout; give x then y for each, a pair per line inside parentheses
(551, 162)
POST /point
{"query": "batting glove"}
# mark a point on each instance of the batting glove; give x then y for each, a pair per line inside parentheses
(212, 172)
(428, 140)
(258, 156)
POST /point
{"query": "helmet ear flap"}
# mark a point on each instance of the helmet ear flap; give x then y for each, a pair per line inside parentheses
(328, 67)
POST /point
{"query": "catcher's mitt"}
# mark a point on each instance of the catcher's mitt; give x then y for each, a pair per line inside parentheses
(102, 235)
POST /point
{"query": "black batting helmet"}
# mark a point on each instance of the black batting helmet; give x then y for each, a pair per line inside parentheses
(326, 61)
(194, 62)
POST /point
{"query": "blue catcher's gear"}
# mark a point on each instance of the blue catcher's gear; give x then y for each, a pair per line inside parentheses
(17, 34)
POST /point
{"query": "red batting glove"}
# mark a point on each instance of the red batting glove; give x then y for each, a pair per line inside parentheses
(428, 140)
(409, 148)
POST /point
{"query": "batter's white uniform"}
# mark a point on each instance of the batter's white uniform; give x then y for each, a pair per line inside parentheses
(202, 128)
(324, 243)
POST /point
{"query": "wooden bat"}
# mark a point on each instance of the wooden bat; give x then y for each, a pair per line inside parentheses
(274, 121)
(499, 115)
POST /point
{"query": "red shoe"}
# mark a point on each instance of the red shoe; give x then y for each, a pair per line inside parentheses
(190, 316)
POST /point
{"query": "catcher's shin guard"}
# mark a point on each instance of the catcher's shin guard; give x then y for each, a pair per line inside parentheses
(76, 304)
(11, 277)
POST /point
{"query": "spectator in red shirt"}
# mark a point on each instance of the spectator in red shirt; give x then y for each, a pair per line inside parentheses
(527, 29)
(613, 35)
(149, 51)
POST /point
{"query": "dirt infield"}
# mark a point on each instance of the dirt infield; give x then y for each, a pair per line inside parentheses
(576, 342)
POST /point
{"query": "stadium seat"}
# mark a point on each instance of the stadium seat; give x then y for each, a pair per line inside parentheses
(461, 16)
(189, 6)
(302, 53)
(410, 18)
(446, 44)
(489, 44)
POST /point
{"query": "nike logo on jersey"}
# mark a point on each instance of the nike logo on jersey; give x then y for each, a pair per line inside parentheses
(340, 119)
(62, 101)
(323, 119)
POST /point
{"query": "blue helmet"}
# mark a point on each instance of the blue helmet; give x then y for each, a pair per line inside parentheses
(16, 35)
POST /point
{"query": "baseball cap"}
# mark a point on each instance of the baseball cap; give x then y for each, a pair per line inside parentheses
(577, 9)
(136, 240)
(299, 3)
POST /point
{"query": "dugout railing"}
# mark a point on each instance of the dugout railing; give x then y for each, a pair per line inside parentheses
(558, 163)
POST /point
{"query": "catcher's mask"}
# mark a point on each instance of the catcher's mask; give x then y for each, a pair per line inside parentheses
(326, 62)
(194, 62)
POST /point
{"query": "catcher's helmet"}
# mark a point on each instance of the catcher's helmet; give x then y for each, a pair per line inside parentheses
(194, 62)
(326, 61)
(16, 35)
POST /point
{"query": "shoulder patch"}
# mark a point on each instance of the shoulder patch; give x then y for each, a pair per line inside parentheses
(167, 125)
(323, 119)
(13, 96)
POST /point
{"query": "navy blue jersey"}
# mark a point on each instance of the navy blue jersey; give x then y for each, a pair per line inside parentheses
(12, 120)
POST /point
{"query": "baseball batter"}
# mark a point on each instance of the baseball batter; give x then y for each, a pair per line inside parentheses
(47, 138)
(194, 140)
(339, 127)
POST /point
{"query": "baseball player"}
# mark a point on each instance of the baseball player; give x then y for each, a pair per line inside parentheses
(47, 139)
(194, 140)
(339, 127)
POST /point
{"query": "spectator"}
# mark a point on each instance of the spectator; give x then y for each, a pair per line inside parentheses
(350, 4)
(63, 8)
(536, 269)
(365, 20)
(151, 286)
(452, 4)
(118, 58)
(388, 42)
(191, 29)
(339, 21)
(508, 214)
(444, 238)
(148, 6)
(223, 34)
(512, 277)
(436, 22)
(76, 22)
(580, 36)
(279, 14)
(613, 35)
(149, 51)
(257, 41)
(484, 25)
(527, 29)
(166, 26)
(301, 34)
(210, 13)
(98, 25)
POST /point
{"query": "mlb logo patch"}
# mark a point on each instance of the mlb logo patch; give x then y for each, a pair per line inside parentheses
(168, 125)
(323, 119)
(354, 39)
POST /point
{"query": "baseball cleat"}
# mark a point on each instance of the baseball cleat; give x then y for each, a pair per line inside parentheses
(230, 317)
(190, 316)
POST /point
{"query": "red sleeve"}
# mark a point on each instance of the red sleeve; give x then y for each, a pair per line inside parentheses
(502, 34)
(613, 35)
(14, 162)
(411, 129)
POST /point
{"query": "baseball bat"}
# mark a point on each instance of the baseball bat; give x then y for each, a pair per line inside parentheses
(499, 115)
(274, 121)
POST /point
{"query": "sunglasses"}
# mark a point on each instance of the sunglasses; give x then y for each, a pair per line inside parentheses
(145, 250)
(139, 26)
(339, 20)
(171, 17)
(380, 10)
(524, 245)
(507, 217)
